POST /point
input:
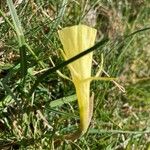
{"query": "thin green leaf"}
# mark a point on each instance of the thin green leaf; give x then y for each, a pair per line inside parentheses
(62, 101)
(21, 40)
(54, 69)
(17, 24)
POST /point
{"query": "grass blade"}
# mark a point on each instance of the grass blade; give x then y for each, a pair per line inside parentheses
(62, 101)
(54, 69)
(17, 24)
(21, 39)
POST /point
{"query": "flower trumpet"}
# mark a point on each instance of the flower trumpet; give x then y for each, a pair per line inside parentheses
(75, 40)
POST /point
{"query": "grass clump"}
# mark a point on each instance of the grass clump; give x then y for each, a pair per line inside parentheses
(29, 39)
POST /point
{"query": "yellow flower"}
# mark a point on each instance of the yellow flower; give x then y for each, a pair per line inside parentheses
(75, 40)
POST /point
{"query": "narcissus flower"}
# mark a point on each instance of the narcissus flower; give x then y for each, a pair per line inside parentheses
(75, 40)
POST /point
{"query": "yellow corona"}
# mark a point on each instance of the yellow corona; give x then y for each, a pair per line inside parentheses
(76, 39)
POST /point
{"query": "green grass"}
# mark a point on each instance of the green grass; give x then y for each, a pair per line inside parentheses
(37, 105)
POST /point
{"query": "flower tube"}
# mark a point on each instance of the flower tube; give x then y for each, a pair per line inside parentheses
(75, 40)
